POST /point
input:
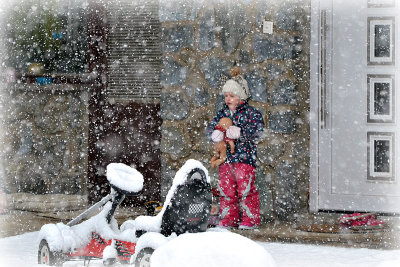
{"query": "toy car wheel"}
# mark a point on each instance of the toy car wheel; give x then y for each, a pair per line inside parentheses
(143, 259)
(48, 257)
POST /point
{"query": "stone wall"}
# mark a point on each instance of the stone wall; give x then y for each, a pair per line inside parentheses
(45, 141)
(201, 42)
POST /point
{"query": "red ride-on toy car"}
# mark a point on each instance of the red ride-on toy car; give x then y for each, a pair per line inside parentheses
(186, 209)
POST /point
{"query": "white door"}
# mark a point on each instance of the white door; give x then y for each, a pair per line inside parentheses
(355, 57)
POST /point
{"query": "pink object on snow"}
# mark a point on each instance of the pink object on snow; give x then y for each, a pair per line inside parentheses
(360, 220)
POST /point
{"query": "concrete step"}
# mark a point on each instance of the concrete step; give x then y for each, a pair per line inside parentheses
(16, 222)
(290, 232)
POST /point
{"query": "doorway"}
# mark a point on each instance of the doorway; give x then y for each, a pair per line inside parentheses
(124, 105)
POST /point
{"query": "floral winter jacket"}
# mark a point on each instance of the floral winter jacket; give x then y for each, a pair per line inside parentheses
(251, 125)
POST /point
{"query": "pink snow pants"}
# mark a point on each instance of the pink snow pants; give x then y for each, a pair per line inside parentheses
(238, 195)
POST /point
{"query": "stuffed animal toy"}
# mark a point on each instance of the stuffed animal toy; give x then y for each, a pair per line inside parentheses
(220, 147)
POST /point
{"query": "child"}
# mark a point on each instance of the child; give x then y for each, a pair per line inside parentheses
(236, 176)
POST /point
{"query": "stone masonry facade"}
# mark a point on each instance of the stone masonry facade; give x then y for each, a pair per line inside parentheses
(200, 43)
(45, 151)
(47, 126)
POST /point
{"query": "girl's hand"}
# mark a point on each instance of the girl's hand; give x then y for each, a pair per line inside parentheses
(233, 132)
(217, 136)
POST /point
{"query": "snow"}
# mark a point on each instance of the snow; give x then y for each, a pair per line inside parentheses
(180, 176)
(21, 251)
(110, 252)
(124, 177)
(61, 237)
(150, 240)
(211, 249)
(153, 223)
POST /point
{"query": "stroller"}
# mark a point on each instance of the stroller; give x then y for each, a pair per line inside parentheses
(186, 209)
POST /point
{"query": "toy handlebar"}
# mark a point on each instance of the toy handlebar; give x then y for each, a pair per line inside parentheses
(124, 180)
(87, 212)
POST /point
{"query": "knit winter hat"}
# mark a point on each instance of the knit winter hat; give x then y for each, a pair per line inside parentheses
(238, 86)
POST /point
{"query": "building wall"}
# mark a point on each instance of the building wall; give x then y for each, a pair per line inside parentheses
(200, 43)
(45, 140)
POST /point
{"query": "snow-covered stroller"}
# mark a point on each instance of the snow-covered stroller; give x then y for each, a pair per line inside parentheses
(186, 209)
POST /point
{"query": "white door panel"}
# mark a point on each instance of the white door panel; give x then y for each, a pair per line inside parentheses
(354, 84)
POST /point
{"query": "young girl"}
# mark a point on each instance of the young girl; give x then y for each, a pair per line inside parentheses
(239, 195)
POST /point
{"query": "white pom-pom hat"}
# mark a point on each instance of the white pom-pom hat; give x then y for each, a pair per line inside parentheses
(238, 86)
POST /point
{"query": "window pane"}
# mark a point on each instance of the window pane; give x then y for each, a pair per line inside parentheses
(382, 41)
(382, 98)
(382, 156)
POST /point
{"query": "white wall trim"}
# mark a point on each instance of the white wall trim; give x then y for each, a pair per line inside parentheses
(314, 103)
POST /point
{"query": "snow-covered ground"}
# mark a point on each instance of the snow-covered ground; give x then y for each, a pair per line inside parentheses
(21, 251)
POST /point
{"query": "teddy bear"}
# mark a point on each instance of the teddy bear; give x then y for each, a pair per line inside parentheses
(220, 147)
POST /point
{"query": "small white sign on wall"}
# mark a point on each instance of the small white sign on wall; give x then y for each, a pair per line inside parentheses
(268, 26)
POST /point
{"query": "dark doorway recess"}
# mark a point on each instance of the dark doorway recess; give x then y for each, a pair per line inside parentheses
(130, 134)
